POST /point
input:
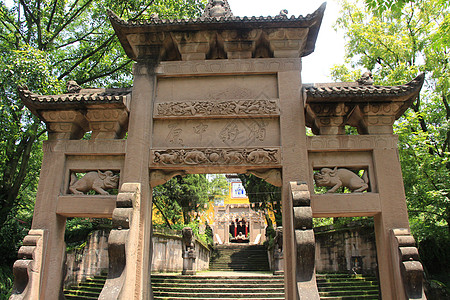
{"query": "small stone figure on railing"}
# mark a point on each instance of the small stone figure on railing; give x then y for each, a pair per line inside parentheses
(188, 251)
(278, 262)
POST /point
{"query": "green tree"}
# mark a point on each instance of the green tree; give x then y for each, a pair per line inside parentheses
(44, 44)
(264, 196)
(180, 196)
(396, 47)
(396, 44)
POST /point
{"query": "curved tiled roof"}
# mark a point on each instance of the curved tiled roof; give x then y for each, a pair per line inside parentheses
(85, 97)
(351, 91)
(124, 28)
(278, 21)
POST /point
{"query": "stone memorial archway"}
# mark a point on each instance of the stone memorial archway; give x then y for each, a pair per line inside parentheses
(219, 94)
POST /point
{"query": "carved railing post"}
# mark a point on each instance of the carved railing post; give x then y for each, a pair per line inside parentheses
(278, 257)
(305, 241)
(188, 251)
(120, 246)
(406, 256)
(27, 269)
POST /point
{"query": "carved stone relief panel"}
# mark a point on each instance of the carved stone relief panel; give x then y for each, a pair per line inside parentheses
(219, 156)
(216, 133)
(94, 181)
(92, 175)
(238, 108)
(217, 88)
(335, 179)
(342, 172)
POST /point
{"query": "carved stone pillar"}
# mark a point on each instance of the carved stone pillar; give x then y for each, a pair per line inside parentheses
(305, 242)
(406, 256)
(380, 117)
(192, 45)
(188, 251)
(107, 123)
(278, 262)
(27, 269)
(287, 42)
(238, 45)
(65, 124)
(331, 118)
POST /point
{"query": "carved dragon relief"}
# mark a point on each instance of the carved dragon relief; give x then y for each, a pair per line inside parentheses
(254, 156)
(222, 108)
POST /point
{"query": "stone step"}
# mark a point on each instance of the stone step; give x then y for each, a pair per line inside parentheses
(367, 297)
(332, 288)
(77, 292)
(212, 298)
(241, 295)
(372, 292)
(77, 297)
(217, 285)
(86, 290)
(223, 290)
(219, 279)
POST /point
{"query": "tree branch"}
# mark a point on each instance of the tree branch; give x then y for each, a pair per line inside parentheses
(86, 56)
(78, 39)
(52, 14)
(63, 26)
(162, 213)
(105, 74)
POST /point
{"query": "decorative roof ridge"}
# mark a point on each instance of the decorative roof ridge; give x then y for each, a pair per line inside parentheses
(25, 92)
(213, 19)
(339, 88)
(112, 97)
(217, 8)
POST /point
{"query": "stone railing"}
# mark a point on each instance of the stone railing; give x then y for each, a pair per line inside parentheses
(167, 246)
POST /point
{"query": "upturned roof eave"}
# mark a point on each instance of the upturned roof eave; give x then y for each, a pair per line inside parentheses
(76, 101)
(123, 28)
(352, 93)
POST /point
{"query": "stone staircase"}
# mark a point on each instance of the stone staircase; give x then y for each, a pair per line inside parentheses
(88, 289)
(347, 287)
(239, 257)
(177, 287)
(237, 272)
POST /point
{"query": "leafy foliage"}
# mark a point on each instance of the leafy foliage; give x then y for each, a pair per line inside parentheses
(180, 196)
(43, 45)
(396, 43)
(265, 196)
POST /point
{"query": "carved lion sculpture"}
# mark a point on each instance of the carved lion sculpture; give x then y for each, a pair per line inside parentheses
(341, 177)
(188, 239)
(97, 181)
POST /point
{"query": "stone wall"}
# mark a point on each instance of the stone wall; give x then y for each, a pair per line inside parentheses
(92, 259)
(347, 249)
(167, 254)
(88, 261)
